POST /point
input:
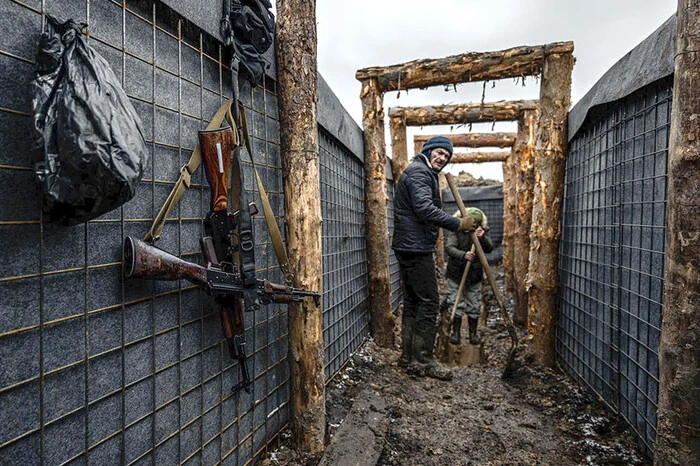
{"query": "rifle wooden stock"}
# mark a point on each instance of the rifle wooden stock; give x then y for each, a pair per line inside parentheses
(141, 260)
(216, 148)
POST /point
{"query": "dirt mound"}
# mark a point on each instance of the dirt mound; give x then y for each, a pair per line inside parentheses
(465, 180)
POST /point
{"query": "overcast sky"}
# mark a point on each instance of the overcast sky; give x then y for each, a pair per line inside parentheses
(355, 34)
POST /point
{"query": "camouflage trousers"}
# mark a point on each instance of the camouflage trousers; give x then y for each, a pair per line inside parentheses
(471, 301)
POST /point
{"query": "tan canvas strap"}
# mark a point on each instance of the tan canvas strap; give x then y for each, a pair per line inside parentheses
(272, 226)
(186, 172)
(240, 135)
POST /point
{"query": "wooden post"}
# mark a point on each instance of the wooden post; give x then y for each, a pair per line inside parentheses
(472, 140)
(399, 146)
(678, 425)
(376, 214)
(480, 157)
(550, 153)
(524, 180)
(297, 78)
(417, 145)
(461, 114)
(509, 222)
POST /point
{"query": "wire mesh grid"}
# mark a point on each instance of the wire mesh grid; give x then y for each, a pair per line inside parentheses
(345, 287)
(394, 272)
(490, 200)
(97, 369)
(612, 254)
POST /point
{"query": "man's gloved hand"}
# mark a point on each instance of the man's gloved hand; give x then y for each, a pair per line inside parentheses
(466, 223)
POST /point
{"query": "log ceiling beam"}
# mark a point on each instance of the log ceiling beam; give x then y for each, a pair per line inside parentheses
(471, 140)
(458, 114)
(475, 66)
(480, 157)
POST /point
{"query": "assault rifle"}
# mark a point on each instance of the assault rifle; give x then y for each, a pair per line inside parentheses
(142, 260)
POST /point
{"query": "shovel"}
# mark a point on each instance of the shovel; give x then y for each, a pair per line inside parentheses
(482, 258)
(461, 288)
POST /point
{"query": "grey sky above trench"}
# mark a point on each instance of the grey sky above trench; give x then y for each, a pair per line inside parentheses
(355, 34)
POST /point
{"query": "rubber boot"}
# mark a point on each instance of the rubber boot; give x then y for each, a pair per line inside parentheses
(456, 329)
(473, 336)
(406, 341)
(423, 343)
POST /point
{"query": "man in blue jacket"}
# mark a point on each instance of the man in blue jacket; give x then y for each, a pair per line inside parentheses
(418, 215)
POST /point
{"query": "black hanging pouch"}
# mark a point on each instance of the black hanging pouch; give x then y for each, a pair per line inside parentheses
(249, 27)
(87, 131)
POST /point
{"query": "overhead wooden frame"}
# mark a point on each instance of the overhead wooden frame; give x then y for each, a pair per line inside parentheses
(514, 280)
(462, 114)
(554, 62)
(470, 140)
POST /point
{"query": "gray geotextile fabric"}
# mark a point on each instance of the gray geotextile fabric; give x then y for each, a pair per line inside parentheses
(649, 61)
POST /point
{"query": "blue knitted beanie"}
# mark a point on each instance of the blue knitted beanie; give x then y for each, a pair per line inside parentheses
(437, 142)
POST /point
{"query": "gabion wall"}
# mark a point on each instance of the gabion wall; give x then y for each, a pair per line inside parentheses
(101, 370)
(345, 287)
(394, 272)
(490, 200)
(612, 254)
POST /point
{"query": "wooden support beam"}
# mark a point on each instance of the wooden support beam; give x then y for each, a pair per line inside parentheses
(509, 222)
(480, 157)
(678, 425)
(545, 231)
(376, 214)
(462, 114)
(472, 140)
(296, 50)
(524, 181)
(399, 146)
(476, 66)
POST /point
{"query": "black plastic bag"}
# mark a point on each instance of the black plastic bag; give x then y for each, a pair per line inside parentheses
(87, 131)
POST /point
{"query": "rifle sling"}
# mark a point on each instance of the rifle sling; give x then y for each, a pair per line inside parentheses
(272, 226)
(188, 170)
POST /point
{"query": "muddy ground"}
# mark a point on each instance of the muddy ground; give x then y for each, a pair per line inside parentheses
(377, 414)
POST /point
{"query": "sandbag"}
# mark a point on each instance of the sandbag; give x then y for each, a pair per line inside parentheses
(88, 135)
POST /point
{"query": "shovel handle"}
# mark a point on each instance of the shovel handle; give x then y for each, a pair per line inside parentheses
(461, 287)
(482, 258)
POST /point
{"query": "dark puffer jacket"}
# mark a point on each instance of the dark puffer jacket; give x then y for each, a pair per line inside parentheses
(418, 210)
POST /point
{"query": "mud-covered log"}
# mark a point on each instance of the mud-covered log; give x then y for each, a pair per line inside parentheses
(462, 114)
(678, 425)
(524, 180)
(376, 214)
(510, 63)
(509, 222)
(545, 231)
(399, 147)
(480, 157)
(472, 140)
(297, 84)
